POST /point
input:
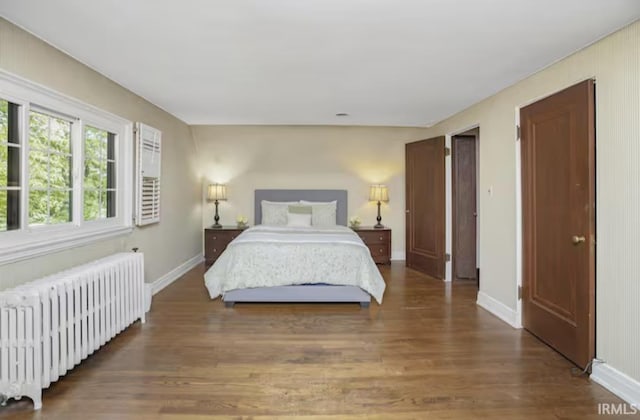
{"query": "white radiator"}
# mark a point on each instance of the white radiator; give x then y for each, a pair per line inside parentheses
(50, 325)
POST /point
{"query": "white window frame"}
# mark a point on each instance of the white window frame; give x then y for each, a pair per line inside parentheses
(30, 241)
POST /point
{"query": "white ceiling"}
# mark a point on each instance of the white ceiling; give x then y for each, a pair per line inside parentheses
(384, 62)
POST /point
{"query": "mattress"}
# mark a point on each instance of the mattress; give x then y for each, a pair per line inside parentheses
(270, 256)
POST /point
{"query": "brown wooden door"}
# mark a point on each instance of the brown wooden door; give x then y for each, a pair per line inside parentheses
(558, 207)
(464, 207)
(425, 209)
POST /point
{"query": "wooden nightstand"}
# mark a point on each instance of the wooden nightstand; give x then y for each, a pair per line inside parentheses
(216, 241)
(378, 241)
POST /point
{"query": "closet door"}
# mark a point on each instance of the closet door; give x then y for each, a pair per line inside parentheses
(463, 154)
(425, 206)
(558, 213)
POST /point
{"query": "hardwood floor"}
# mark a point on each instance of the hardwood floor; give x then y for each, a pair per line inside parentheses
(428, 351)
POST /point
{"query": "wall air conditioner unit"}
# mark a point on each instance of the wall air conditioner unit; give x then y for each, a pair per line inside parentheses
(149, 157)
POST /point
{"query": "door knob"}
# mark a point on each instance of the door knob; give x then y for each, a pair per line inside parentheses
(577, 239)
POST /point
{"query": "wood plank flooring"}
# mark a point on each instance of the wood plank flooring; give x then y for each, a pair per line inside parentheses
(427, 352)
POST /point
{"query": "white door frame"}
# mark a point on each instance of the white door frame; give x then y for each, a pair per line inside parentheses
(448, 168)
(518, 178)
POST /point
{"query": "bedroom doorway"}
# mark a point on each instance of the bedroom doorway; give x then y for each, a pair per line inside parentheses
(464, 187)
(425, 206)
(558, 215)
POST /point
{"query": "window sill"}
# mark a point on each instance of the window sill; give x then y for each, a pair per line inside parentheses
(10, 253)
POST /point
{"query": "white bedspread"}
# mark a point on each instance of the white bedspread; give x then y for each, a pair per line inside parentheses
(266, 256)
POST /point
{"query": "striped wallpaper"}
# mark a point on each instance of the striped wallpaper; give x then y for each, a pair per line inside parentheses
(615, 64)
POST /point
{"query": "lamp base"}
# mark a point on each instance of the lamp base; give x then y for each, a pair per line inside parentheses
(216, 218)
(378, 225)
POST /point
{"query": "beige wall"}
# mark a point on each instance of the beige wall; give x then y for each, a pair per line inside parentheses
(615, 64)
(167, 244)
(252, 157)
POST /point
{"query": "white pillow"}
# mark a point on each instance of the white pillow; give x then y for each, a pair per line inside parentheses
(299, 219)
(274, 213)
(322, 214)
(334, 202)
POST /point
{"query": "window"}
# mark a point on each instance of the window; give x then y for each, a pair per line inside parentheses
(65, 171)
(50, 162)
(9, 167)
(99, 174)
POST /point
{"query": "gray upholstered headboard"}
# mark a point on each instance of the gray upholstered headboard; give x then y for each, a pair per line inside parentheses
(310, 195)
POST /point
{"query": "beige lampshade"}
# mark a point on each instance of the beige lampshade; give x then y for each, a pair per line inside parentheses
(217, 192)
(378, 193)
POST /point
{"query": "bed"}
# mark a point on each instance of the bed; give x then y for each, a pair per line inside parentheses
(282, 264)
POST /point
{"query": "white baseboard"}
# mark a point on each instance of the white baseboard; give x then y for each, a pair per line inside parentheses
(499, 309)
(398, 256)
(617, 382)
(173, 275)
